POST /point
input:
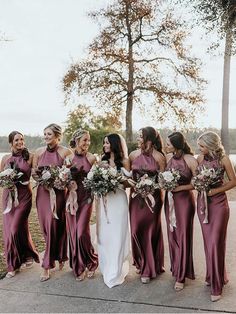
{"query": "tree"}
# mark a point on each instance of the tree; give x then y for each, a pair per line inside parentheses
(220, 16)
(139, 59)
(98, 125)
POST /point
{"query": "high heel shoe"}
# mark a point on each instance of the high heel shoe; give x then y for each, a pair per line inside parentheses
(90, 273)
(45, 275)
(215, 298)
(11, 274)
(81, 277)
(145, 279)
(179, 286)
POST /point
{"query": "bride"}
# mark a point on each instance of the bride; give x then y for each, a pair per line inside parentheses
(112, 221)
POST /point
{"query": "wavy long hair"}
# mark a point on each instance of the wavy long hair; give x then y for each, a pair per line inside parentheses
(25, 152)
(179, 142)
(153, 136)
(115, 147)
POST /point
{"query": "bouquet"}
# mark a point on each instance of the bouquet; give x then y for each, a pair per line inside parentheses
(52, 177)
(102, 179)
(206, 178)
(145, 187)
(9, 177)
(168, 180)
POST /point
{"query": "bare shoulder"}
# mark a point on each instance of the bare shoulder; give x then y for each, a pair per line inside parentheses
(190, 159)
(158, 156)
(5, 158)
(168, 157)
(91, 158)
(200, 158)
(134, 154)
(226, 160)
(64, 151)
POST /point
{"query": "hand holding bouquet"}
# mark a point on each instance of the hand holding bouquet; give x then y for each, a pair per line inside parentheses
(168, 180)
(9, 177)
(206, 178)
(145, 187)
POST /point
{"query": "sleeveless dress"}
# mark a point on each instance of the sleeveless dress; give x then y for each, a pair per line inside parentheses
(19, 247)
(214, 232)
(146, 229)
(181, 239)
(113, 242)
(54, 230)
(81, 251)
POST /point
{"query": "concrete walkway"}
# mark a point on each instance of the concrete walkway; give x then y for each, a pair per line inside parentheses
(25, 293)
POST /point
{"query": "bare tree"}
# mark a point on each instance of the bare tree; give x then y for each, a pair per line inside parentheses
(140, 58)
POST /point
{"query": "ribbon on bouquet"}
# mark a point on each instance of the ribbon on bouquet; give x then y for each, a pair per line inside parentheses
(172, 216)
(12, 200)
(98, 200)
(149, 200)
(53, 202)
(72, 201)
(204, 206)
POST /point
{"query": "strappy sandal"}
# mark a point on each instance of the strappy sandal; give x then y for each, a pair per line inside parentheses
(45, 276)
(81, 277)
(11, 274)
(179, 286)
(145, 279)
(90, 273)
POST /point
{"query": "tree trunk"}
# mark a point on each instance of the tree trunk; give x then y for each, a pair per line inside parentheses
(225, 93)
(130, 83)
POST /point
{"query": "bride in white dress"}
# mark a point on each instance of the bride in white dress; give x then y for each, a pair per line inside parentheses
(113, 238)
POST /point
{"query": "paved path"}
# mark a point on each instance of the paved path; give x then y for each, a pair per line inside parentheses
(24, 293)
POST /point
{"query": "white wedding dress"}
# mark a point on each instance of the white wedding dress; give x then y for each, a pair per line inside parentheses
(113, 240)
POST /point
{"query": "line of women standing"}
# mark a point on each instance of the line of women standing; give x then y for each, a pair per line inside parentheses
(146, 229)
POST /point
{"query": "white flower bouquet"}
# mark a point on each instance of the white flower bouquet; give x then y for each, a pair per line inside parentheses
(10, 176)
(102, 179)
(168, 180)
(206, 178)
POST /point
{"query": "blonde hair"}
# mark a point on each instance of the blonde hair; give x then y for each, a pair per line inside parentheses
(76, 136)
(212, 141)
(57, 130)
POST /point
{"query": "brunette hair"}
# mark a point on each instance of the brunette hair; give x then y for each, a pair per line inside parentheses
(25, 152)
(150, 134)
(178, 140)
(116, 148)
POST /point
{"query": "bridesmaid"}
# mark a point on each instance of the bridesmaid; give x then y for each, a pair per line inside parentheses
(180, 157)
(19, 248)
(212, 154)
(82, 255)
(146, 230)
(54, 230)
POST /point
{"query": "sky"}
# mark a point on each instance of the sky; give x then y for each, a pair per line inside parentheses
(44, 37)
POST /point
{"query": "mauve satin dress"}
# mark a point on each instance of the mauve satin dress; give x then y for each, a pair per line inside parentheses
(54, 230)
(146, 230)
(19, 247)
(81, 251)
(214, 233)
(181, 239)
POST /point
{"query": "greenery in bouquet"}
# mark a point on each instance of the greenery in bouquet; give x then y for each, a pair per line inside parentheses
(168, 180)
(207, 178)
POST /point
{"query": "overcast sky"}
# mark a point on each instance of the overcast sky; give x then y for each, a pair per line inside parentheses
(46, 35)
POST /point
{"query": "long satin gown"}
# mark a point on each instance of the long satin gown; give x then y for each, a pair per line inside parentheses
(214, 232)
(113, 242)
(19, 247)
(146, 229)
(181, 239)
(54, 230)
(81, 251)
